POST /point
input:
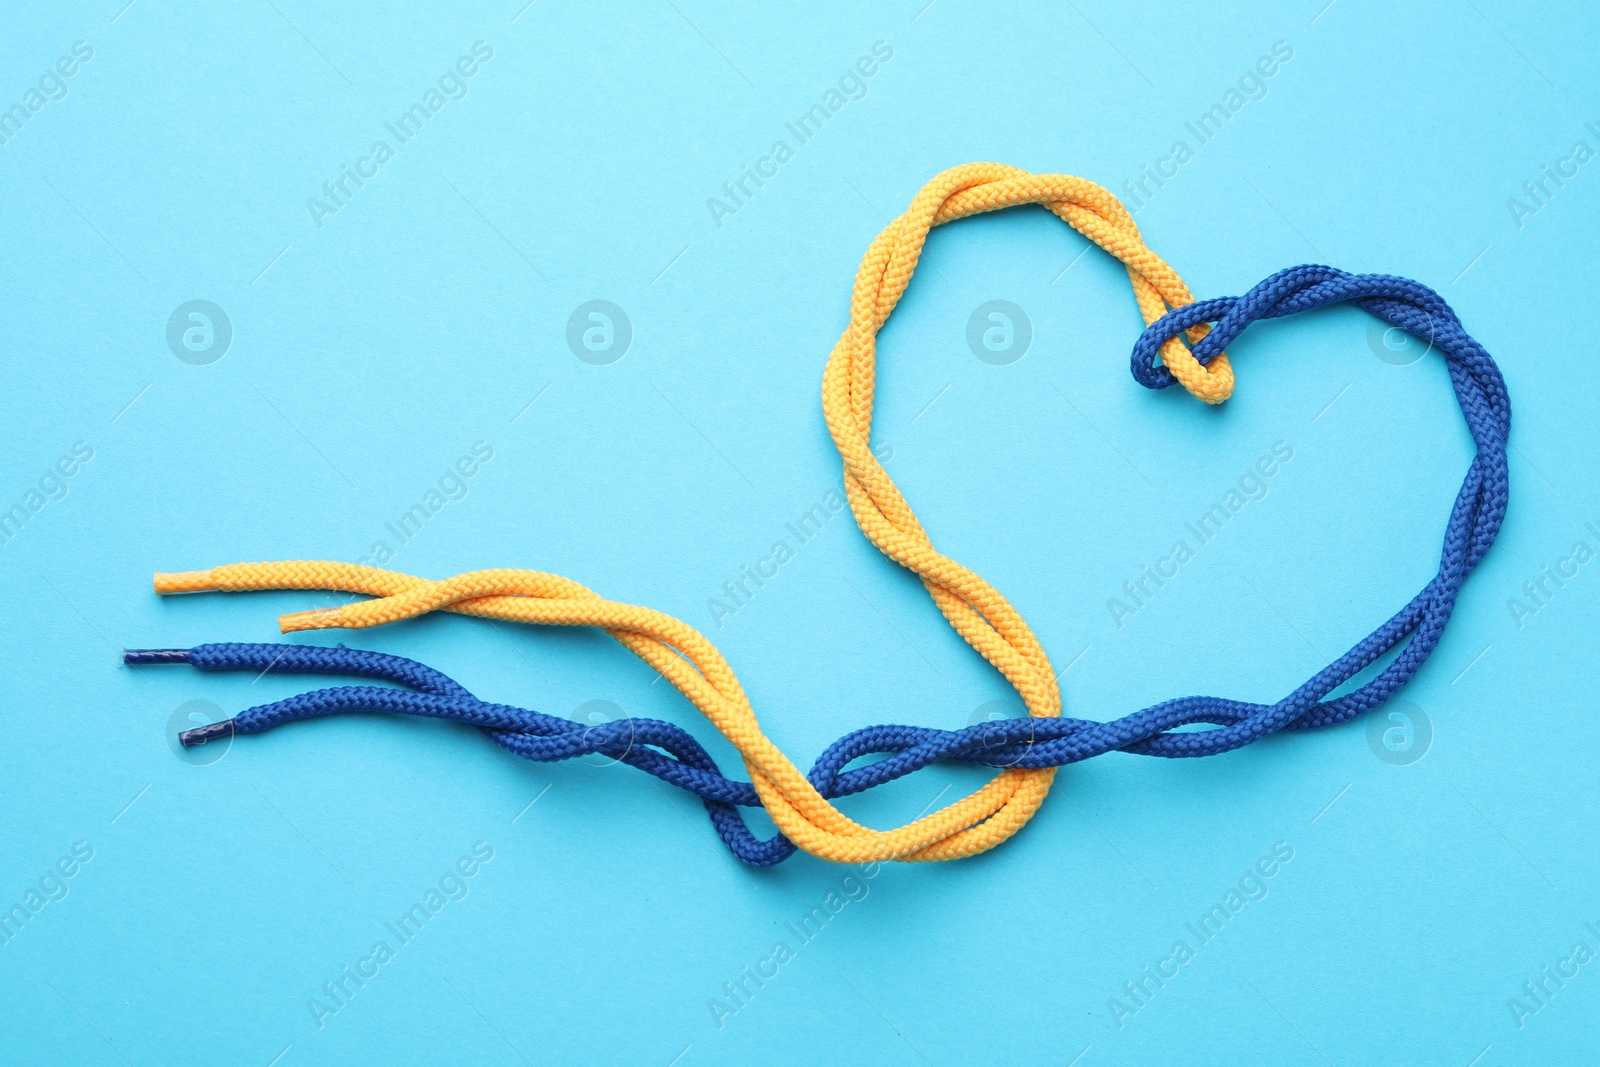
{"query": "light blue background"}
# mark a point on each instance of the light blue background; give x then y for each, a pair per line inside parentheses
(370, 353)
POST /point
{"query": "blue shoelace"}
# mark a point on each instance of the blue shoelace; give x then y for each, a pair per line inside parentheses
(672, 754)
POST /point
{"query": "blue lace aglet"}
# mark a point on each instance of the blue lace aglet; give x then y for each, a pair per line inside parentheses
(201, 734)
(137, 656)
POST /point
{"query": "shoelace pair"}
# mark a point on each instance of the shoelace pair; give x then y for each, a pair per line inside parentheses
(797, 805)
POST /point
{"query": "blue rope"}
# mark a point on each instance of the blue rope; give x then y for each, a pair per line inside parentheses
(670, 753)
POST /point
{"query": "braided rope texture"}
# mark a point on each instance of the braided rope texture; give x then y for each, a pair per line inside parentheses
(976, 609)
(800, 804)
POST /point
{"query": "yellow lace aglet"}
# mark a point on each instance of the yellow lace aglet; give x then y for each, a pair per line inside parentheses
(185, 582)
(315, 619)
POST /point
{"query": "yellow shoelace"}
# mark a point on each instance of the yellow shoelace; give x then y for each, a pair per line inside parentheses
(690, 662)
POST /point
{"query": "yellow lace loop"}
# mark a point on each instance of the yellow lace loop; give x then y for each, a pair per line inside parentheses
(692, 664)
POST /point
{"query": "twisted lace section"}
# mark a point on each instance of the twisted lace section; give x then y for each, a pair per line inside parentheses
(662, 749)
(975, 608)
(679, 652)
(1029, 749)
(1035, 743)
(1475, 517)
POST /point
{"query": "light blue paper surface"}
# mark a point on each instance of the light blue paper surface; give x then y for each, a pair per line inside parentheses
(356, 342)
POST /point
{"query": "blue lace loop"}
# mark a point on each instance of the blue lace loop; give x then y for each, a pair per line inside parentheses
(670, 753)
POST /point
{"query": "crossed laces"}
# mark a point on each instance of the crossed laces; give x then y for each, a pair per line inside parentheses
(1028, 750)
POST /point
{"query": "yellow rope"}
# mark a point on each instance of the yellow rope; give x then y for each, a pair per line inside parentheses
(691, 663)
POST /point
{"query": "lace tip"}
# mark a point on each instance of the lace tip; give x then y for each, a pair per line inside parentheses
(201, 734)
(184, 582)
(137, 656)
